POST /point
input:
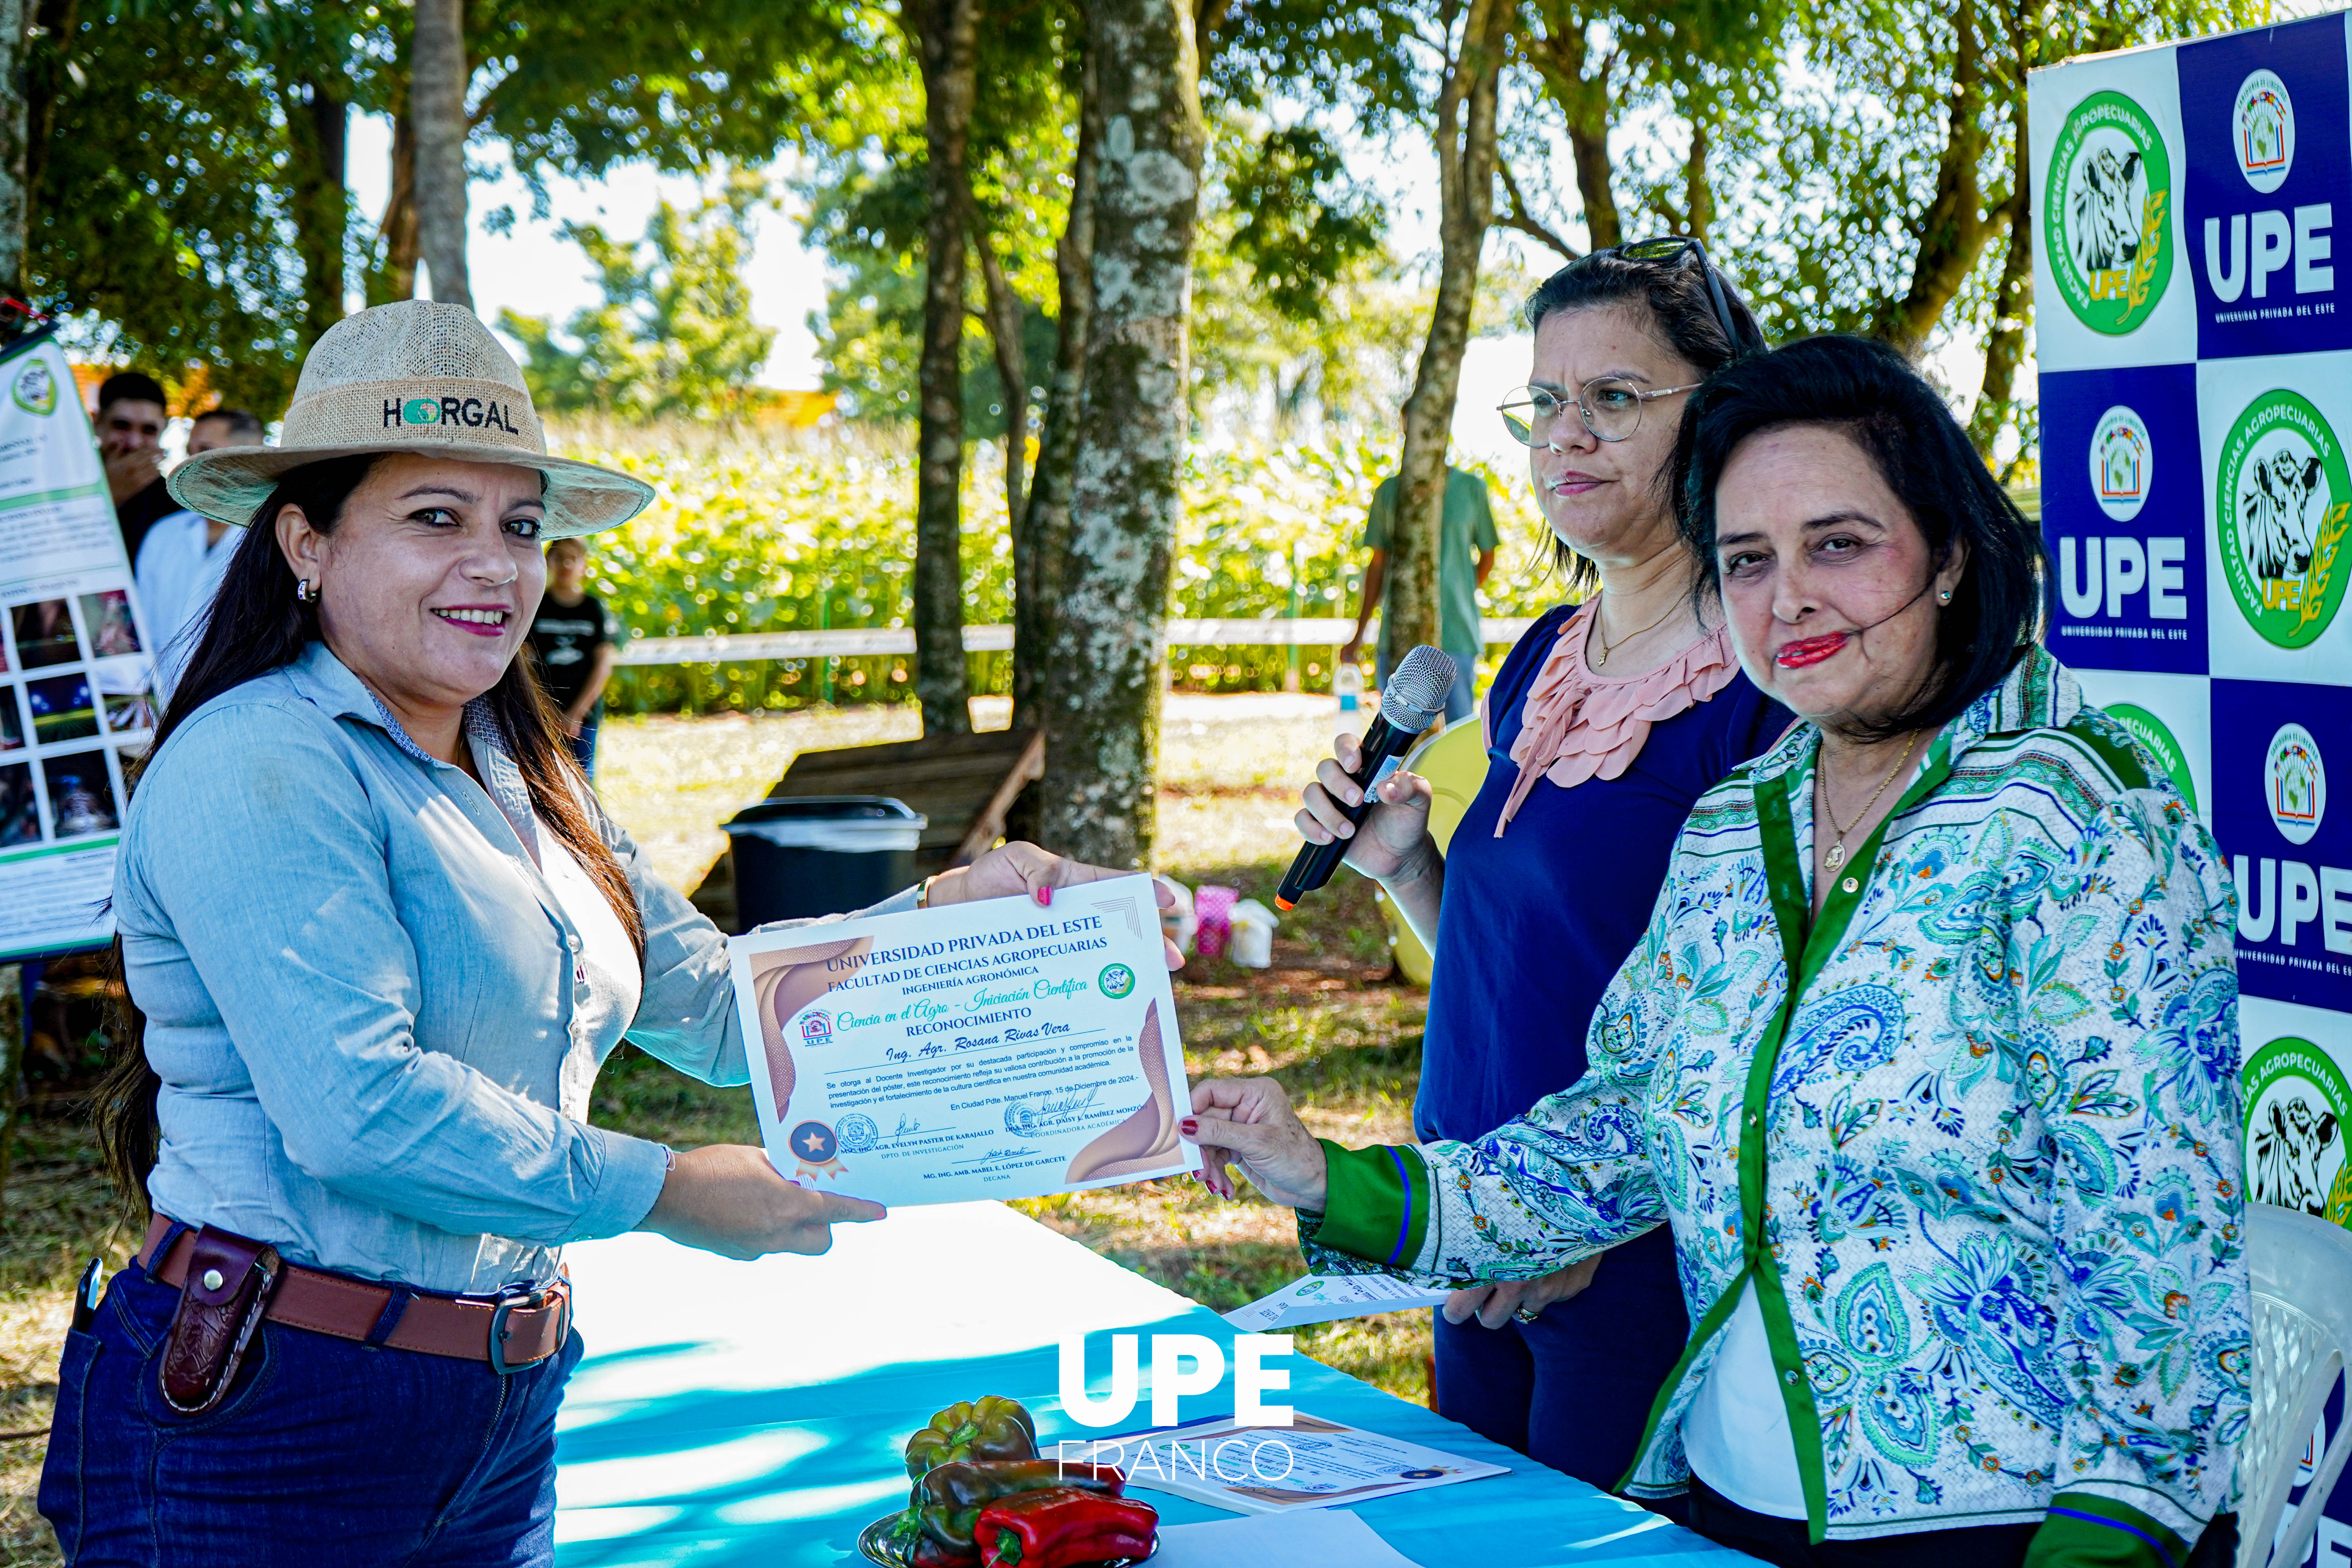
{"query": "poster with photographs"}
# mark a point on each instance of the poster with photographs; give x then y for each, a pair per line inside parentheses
(76, 709)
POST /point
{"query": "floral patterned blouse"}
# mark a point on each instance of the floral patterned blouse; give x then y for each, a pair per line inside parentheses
(1982, 1158)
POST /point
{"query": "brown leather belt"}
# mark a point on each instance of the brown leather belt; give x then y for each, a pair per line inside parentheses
(509, 1333)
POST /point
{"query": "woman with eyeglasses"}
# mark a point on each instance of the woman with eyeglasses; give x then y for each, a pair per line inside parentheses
(1606, 722)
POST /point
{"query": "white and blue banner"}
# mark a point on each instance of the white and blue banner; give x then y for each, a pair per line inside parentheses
(2195, 328)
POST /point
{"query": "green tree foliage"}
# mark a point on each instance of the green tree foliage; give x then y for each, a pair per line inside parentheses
(580, 86)
(161, 215)
(674, 332)
(1886, 190)
(1300, 220)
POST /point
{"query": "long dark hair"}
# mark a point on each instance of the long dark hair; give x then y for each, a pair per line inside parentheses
(255, 625)
(1672, 293)
(1871, 392)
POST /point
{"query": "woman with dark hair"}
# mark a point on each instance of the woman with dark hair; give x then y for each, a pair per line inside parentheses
(1603, 725)
(378, 936)
(1928, 1057)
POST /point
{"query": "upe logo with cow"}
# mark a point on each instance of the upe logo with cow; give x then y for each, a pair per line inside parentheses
(2109, 201)
(2280, 502)
(2262, 124)
(2296, 1106)
(2123, 463)
(2295, 784)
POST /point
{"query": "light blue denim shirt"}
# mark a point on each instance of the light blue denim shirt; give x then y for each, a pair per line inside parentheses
(361, 993)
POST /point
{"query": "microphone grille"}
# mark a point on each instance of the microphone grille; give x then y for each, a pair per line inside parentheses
(1417, 687)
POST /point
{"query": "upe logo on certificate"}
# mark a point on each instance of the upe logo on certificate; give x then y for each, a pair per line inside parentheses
(985, 1051)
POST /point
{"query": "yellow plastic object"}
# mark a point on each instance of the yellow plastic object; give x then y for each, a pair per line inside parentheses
(1453, 761)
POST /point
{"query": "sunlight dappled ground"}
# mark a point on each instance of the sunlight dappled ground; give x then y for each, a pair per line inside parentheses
(1231, 768)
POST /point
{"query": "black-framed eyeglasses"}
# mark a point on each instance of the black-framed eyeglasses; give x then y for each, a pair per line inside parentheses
(1678, 249)
(1610, 406)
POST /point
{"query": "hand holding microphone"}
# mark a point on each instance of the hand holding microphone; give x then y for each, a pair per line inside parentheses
(1350, 785)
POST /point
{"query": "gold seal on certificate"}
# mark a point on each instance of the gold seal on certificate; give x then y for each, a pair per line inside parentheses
(985, 1051)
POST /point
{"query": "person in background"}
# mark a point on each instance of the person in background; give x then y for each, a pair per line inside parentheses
(130, 420)
(577, 641)
(1603, 726)
(180, 562)
(1465, 557)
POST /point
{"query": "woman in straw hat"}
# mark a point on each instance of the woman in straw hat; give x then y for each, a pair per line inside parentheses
(382, 935)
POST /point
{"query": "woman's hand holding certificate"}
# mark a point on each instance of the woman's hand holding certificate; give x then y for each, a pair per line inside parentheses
(994, 1048)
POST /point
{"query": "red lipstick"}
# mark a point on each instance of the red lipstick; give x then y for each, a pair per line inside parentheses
(1809, 650)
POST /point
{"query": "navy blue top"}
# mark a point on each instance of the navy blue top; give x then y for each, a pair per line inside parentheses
(1534, 924)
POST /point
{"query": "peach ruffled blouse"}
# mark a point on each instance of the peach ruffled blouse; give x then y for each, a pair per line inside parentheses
(1577, 725)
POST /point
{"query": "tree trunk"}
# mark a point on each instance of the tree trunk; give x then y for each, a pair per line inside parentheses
(317, 123)
(2012, 303)
(41, 68)
(15, 199)
(1562, 55)
(1465, 170)
(1042, 535)
(946, 36)
(1698, 191)
(436, 102)
(1003, 314)
(394, 276)
(1953, 230)
(1103, 743)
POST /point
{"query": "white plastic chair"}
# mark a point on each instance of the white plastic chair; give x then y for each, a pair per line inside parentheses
(2302, 1269)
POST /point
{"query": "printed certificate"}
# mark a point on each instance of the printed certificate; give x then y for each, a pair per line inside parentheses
(984, 1050)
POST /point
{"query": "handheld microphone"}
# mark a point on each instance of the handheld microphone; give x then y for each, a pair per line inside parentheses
(1414, 698)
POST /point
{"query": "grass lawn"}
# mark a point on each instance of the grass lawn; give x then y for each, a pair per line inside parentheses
(1323, 1020)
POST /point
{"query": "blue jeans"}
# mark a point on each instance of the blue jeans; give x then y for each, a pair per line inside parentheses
(583, 744)
(324, 1449)
(1460, 699)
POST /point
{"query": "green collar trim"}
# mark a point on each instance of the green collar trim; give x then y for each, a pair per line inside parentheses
(1807, 946)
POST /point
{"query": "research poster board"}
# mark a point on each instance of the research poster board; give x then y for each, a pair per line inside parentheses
(2193, 287)
(76, 708)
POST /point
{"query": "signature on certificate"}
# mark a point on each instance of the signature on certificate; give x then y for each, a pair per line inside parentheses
(1028, 1119)
(993, 1157)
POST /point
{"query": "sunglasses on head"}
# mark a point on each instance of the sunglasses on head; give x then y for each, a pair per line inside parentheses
(1679, 250)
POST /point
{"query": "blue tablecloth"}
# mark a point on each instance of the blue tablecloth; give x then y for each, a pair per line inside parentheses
(733, 1413)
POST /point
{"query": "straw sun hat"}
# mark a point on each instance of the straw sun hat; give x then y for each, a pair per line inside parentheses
(413, 376)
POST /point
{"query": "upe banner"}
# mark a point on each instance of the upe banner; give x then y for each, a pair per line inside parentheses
(76, 705)
(2195, 328)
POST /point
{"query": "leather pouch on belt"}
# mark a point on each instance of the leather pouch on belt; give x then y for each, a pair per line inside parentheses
(221, 1304)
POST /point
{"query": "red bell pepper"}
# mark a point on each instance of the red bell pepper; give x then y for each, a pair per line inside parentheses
(1064, 1528)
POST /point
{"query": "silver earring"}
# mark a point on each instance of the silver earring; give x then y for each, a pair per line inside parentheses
(1945, 597)
(307, 592)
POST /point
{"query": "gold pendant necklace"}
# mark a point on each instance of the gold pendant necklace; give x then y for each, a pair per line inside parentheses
(1598, 660)
(1836, 856)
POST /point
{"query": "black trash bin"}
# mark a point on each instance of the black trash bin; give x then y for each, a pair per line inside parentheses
(821, 855)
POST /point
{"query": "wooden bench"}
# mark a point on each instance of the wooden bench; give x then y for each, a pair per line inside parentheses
(963, 783)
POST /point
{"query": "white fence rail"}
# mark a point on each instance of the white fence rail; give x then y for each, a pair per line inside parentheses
(863, 640)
